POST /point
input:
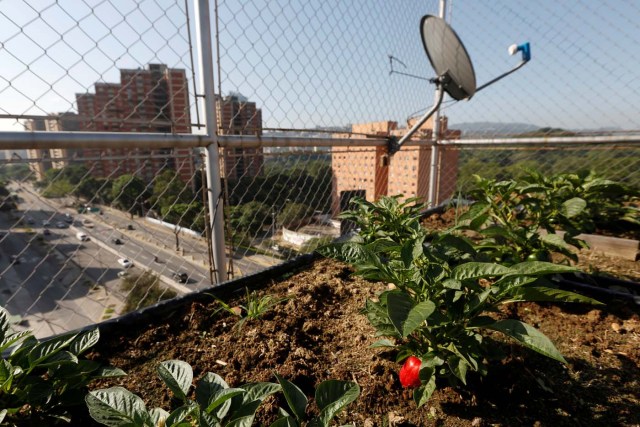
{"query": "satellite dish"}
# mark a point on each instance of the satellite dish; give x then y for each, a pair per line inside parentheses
(448, 57)
(453, 67)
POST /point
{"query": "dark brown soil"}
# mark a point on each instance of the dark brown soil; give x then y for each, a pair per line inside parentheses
(318, 334)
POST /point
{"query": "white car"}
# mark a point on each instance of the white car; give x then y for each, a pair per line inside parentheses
(125, 262)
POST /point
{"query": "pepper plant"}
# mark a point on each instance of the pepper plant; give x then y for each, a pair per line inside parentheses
(216, 404)
(443, 296)
(41, 381)
(522, 219)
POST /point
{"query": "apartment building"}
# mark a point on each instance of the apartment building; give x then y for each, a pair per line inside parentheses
(237, 116)
(370, 172)
(155, 99)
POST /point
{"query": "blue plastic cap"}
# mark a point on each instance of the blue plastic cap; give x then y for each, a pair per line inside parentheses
(525, 48)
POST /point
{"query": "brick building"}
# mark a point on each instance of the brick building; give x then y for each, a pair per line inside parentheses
(370, 172)
(237, 116)
(51, 158)
(146, 100)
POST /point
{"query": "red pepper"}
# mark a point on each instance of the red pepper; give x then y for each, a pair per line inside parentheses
(409, 374)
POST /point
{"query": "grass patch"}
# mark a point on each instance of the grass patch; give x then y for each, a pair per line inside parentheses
(144, 290)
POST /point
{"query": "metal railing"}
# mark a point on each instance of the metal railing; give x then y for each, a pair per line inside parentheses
(139, 166)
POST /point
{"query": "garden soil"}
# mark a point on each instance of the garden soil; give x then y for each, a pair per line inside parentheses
(319, 333)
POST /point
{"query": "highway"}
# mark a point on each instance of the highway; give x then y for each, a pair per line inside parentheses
(57, 282)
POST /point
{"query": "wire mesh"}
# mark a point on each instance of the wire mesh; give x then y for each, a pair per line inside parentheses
(322, 72)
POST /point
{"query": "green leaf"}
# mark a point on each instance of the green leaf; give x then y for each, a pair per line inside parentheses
(542, 293)
(259, 391)
(423, 393)
(206, 420)
(417, 316)
(221, 399)
(178, 376)
(243, 417)
(207, 387)
(4, 323)
(477, 270)
(180, 414)
(46, 349)
(540, 268)
(295, 397)
(84, 341)
(108, 372)
(399, 304)
(529, 337)
(11, 339)
(382, 343)
(554, 240)
(116, 406)
(158, 416)
(333, 396)
(59, 358)
(285, 422)
(458, 367)
(573, 207)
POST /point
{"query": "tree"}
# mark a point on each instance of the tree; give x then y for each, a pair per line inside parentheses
(250, 217)
(168, 189)
(188, 215)
(293, 214)
(129, 193)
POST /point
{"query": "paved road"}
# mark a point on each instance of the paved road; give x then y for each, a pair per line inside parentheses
(57, 282)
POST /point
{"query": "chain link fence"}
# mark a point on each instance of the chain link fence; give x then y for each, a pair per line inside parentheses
(307, 97)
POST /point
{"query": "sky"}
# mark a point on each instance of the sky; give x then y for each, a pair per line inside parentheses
(325, 63)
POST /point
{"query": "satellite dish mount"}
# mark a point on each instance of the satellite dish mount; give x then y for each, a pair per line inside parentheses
(454, 71)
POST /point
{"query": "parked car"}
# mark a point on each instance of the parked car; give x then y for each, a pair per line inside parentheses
(46, 232)
(45, 223)
(181, 277)
(68, 218)
(81, 236)
(61, 224)
(88, 224)
(130, 227)
(116, 241)
(123, 273)
(124, 262)
(30, 220)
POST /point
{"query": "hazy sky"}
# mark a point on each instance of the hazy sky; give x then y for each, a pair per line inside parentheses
(325, 63)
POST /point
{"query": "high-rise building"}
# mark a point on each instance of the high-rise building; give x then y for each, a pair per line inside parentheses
(42, 156)
(146, 100)
(55, 157)
(237, 116)
(371, 172)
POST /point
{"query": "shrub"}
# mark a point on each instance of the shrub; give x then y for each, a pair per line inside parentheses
(443, 294)
(144, 290)
(41, 381)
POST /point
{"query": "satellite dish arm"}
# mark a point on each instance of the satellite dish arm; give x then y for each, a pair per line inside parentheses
(525, 48)
(395, 146)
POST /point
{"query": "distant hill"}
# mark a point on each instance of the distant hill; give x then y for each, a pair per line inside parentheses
(485, 129)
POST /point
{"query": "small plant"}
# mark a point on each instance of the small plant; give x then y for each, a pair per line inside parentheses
(443, 296)
(42, 380)
(255, 307)
(331, 397)
(215, 404)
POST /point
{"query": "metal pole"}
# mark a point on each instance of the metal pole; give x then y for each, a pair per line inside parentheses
(435, 136)
(203, 30)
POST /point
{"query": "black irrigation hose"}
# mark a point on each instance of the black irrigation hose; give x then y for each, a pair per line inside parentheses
(598, 287)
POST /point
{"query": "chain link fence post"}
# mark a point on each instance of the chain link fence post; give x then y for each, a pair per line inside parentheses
(216, 214)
